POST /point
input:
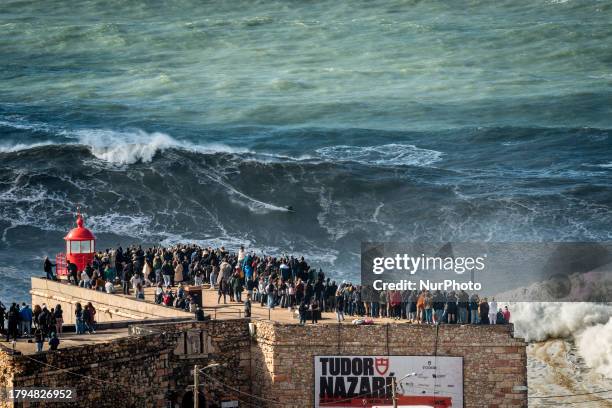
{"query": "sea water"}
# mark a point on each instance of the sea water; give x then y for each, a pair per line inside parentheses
(191, 121)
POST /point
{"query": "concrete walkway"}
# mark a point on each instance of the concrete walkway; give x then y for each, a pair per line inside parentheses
(67, 340)
(229, 310)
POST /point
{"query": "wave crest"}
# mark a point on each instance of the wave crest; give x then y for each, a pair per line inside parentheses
(112, 146)
(125, 147)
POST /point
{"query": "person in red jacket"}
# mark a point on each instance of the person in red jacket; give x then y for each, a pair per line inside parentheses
(506, 313)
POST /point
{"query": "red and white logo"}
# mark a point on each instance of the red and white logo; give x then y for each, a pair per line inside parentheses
(382, 365)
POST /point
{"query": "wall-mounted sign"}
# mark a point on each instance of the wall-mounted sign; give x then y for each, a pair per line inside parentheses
(366, 381)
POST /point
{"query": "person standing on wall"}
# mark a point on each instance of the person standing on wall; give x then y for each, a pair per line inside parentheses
(48, 268)
(421, 307)
(25, 315)
(302, 312)
(89, 316)
(493, 311)
(314, 309)
(438, 305)
(506, 313)
(339, 306)
(39, 338)
(484, 311)
(474, 303)
(222, 291)
(167, 273)
(428, 307)
(72, 273)
(126, 276)
(53, 342)
(78, 314)
(451, 307)
(59, 319)
(13, 322)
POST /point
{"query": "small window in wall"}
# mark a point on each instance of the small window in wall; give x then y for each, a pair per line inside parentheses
(85, 247)
(93, 245)
(75, 247)
(67, 247)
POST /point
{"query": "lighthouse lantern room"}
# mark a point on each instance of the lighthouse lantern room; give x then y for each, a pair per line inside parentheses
(80, 244)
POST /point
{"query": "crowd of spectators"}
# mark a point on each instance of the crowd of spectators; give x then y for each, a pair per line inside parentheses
(241, 277)
(39, 324)
(285, 282)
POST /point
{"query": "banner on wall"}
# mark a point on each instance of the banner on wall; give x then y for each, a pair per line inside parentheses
(366, 381)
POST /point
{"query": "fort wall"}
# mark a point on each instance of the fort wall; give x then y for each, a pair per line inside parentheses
(153, 366)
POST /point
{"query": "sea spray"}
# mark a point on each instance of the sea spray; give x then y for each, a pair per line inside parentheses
(595, 346)
(589, 324)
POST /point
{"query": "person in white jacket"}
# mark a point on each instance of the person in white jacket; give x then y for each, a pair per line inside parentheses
(492, 311)
(241, 255)
(135, 281)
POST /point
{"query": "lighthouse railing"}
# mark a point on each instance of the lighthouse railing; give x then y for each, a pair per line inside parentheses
(61, 266)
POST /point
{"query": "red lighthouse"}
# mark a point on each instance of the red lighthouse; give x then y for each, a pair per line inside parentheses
(80, 246)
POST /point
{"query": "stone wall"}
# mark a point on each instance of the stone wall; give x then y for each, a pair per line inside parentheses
(148, 369)
(153, 366)
(494, 361)
(109, 308)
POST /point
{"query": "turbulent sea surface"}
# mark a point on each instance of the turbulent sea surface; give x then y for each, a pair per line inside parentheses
(396, 120)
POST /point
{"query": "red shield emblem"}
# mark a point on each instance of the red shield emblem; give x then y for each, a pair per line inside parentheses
(382, 365)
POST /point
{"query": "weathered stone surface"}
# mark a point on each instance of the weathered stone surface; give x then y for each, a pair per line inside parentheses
(155, 364)
(136, 371)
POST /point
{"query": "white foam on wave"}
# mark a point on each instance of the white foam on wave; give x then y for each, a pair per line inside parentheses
(134, 225)
(256, 206)
(125, 147)
(112, 146)
(129, 147)
(393, 154)
(134, 146)
(590, 324)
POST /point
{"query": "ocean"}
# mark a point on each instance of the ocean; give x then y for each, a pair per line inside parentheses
(191, 121)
